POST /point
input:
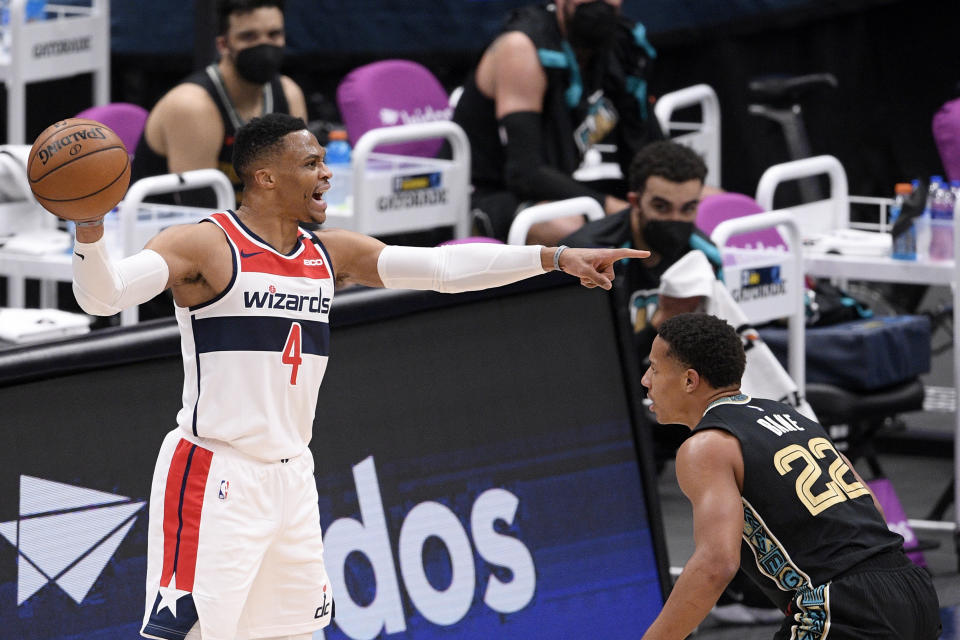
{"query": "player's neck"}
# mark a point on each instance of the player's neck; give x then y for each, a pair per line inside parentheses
(720, 396)
(279, 231)
(246, 96)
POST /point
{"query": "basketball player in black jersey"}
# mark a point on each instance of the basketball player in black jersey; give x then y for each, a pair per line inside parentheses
(772, 495)
(193, 126)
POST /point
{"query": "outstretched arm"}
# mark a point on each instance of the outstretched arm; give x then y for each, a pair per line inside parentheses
(359, 259)
(707, 467)
(192, 259)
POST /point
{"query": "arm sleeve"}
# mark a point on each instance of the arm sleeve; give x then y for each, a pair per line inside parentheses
(525, 173)
(103, 287)
(455, 268)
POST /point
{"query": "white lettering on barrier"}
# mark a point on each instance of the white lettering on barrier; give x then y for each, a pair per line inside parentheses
(434, 519)
(370, 537)
(503, 551)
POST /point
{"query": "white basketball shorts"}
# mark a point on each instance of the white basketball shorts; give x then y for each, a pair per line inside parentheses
(233, 542)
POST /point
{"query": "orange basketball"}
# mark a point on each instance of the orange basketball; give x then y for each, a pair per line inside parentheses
(78, 169)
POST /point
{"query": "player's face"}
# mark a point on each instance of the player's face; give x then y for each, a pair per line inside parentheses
(263, 25)
(302, 177)
(665, 382)
(665, 200)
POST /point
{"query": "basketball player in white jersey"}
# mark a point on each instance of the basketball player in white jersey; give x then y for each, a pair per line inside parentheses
(235, 546)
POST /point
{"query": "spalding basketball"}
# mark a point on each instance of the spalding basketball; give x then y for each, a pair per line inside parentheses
(78, 169)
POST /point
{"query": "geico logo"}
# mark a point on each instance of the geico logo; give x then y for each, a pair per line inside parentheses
(288, 301)
(370, 537)
(313, 263)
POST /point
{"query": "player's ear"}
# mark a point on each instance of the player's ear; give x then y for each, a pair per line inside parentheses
(691, 380)
(221, 43)
(264, 178)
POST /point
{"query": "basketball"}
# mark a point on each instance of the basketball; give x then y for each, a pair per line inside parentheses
(78, 169)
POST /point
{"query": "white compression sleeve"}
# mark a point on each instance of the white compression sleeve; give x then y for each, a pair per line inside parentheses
(103, 287)
(457, 267)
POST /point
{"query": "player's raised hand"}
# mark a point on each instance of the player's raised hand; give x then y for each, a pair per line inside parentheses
(594, 267)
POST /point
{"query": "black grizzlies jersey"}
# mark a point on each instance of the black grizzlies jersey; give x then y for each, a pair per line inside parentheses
(806, 518)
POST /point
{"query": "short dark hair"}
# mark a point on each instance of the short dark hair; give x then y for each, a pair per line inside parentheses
(261, 136)
(226, 8)
(706, 344)
(669, 160)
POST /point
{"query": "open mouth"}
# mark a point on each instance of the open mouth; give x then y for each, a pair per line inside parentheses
(317, 194)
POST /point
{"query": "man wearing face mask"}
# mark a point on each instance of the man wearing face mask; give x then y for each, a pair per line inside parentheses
(665, 182)
(560, 78)
(193, 125)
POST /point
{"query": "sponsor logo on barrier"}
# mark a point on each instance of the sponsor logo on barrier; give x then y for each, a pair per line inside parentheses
(62, 47)
(418, 181)
(390, 117)
(66, 535)
(762, 282)
(369, 536)
(412, 199)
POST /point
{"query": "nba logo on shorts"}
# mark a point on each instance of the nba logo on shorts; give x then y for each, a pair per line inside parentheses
(224, 487)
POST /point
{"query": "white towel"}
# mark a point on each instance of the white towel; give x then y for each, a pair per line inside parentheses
(34, 325)
(764, 377)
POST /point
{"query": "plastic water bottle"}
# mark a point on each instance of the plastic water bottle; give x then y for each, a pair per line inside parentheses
(340, 194)
(941, 223)
(924, 232)
(34, 10)
(904, 245)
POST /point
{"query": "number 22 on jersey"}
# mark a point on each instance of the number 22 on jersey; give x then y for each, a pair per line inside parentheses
(291, 352)
(837, 489)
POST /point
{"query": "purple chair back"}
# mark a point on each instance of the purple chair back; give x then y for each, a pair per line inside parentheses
(392, 92)
(946, 133)
(718, 207)
(127, 121)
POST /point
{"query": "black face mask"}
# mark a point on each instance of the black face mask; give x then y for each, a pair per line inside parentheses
(260, 63)
(669, 238)
(592, 25)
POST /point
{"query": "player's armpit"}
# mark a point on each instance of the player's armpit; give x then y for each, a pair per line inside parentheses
(199, 259)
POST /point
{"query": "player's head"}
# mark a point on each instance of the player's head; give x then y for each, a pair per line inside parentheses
(277, 157)
(251, 37)
(693, 356)
(665, 182)
(589, 24)
(260, 140)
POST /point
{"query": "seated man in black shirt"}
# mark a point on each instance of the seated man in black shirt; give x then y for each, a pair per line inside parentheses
(561, 77)
(665, 183)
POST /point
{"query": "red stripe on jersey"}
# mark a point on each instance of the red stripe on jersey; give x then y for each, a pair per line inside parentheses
(310, 262)
(190, 514)
(171, 508)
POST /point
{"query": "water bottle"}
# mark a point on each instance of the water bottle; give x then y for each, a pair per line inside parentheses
(34, 10)
(338, 159)
(904, 245)
(941, 223)
(924, 232)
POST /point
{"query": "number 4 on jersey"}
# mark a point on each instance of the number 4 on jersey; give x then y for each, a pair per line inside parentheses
(291, 351)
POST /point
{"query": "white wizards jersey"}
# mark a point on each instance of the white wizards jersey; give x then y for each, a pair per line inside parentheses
(254, 356)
